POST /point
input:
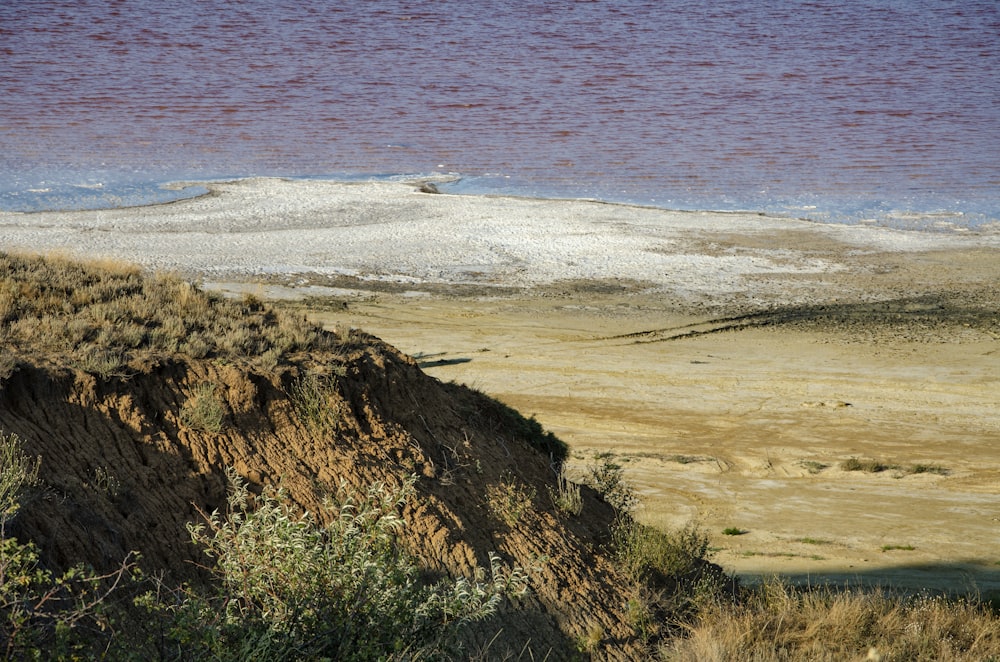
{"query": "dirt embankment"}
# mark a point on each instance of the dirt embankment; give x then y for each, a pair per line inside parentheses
(122, 472)
(746, 419)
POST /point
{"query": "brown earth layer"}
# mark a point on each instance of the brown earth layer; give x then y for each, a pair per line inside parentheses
(122, 472)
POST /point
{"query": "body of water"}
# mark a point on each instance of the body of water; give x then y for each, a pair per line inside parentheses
(841, 111)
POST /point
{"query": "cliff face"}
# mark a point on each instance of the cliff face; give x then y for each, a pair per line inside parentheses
(124, 469)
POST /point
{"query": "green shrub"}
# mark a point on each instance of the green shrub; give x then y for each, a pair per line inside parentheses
(642, 550)
(18, 472)
(668, 572)
(290, 588)
(609, 480)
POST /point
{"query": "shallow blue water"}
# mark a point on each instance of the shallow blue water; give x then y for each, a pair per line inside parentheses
(842, 111)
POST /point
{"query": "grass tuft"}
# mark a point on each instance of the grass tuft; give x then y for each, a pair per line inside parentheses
(813, 466)
(566, 496)
(814, 541)
(877, 466)
(315, 402)
(203, 410)
(867, 466)
(509, 500)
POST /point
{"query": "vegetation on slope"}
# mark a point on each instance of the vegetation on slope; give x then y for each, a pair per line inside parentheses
(103, 316)
(288, 587)
(341, 503)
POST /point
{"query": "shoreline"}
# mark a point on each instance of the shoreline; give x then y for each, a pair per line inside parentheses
(124, 195)
(391, 232)
(732, 363)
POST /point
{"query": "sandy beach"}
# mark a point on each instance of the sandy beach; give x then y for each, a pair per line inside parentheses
(734, 364)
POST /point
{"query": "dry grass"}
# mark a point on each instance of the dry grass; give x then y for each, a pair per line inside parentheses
(779, 622)
(510, 499)
(566, 496)
(203, 410)
(314, 398)
(102, 316)
(877, 466)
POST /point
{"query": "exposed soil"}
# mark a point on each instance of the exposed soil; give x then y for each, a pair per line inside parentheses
(121, 472)
(741, 417)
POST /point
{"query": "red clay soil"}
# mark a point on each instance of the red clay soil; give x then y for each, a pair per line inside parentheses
(121, 472)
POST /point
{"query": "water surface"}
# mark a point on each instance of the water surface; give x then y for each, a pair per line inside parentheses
(837, 110)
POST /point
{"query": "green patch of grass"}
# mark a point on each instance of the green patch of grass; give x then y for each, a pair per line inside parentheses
(102, 362)
(101, 316)
(778, 621)
(315, 402)
(781, 555)
(688, 459)
(903, 548)
(566, 496)
(589, 642)
(814, 541)
(734, 531)
(641, 549)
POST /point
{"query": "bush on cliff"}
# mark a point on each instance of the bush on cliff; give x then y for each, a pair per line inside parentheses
(290, 588)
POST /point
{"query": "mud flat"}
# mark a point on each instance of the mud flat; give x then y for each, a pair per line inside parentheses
(828, 395)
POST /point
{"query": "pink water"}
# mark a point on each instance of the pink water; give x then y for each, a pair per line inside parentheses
(836, 110)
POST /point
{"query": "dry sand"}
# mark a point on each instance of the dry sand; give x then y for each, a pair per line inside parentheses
(730, 362)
